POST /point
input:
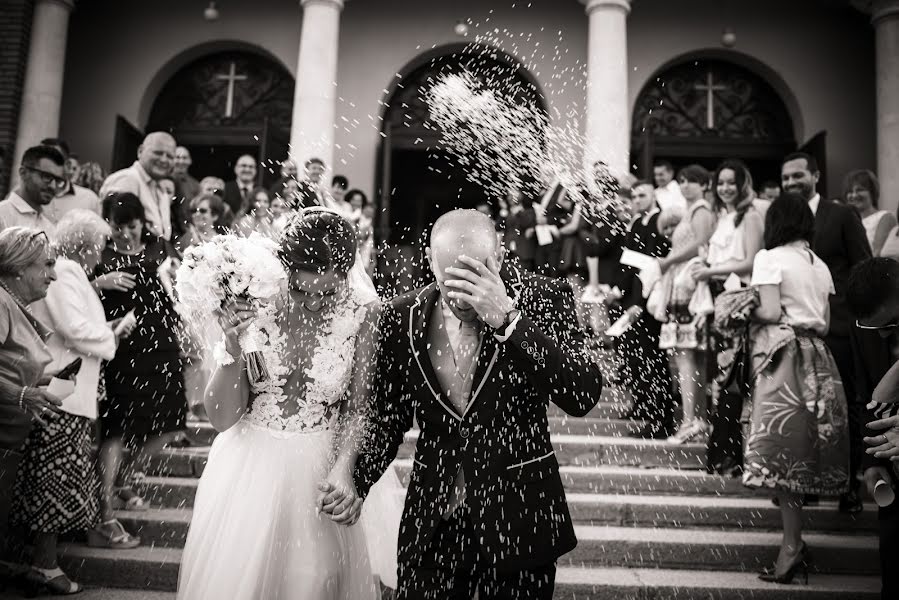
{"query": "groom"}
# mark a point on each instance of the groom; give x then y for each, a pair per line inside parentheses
(475, 358)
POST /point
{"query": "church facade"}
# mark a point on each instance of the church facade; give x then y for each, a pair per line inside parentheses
(690, 81)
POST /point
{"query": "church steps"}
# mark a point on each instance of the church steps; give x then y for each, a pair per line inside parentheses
(157, 569)
(166, 524)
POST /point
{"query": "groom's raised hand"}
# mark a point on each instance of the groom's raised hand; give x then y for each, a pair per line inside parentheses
(482, 287)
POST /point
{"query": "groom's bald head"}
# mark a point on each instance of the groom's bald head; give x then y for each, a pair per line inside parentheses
(462, 233)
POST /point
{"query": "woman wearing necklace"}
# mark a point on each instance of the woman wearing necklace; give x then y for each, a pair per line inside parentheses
(145, 401)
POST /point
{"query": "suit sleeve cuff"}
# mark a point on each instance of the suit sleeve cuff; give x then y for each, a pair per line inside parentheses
(509, 330)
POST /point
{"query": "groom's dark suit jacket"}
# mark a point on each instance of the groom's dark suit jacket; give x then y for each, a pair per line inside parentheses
(501, 441)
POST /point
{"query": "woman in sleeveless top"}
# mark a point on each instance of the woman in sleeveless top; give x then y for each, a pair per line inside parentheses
(732, 249)
(861, 191)
(690, 237)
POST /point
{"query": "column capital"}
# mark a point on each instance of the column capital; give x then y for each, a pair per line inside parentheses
(882, 10)
(67, 4)
(592, 5)
(338, 4)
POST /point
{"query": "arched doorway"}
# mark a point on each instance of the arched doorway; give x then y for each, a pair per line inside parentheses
(417, 179)
(703, 110)
(226, 104)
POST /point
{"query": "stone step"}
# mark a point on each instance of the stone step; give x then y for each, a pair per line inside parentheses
(174, 492)
(168, 526)
(574, 450)
(150, 568)
(749, 551)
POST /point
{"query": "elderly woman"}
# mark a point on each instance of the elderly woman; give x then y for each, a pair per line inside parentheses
(80, 331)
(27, 268)
(144, 408)
(207, 215)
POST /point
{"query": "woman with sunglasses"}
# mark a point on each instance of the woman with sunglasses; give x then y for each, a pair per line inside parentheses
(207, 216)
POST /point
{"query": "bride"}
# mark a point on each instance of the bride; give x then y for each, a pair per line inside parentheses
(258, 531)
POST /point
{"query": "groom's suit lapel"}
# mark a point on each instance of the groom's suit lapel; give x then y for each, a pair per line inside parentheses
(419, 322)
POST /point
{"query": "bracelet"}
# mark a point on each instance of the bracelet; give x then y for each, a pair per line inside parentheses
(22, 397)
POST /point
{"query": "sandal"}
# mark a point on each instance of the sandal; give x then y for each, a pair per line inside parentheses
(50, 581)
(111, 534)
(127, 499)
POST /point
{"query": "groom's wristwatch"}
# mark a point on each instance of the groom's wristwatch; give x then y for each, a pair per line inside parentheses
(509, 319)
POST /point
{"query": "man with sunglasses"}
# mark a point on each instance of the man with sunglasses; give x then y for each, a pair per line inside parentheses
(70, 196)
(873, 297)
(41, 177)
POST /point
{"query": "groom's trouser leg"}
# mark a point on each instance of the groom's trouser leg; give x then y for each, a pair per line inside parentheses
(447, 567)
(530, 584)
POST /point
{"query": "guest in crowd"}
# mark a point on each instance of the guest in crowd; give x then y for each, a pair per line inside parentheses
(91, 176)
(154, 162)
(73, 166)
(548, 213)
(690, 236)
(890, 248)
(27, 268)
(790, 448)
(310, 192)
(207, 212)
(861, 191)
(145, 401)
(770, 190)
(738, 237)
(841, 243)
(41, 177)
(668, 222)
(71, 196)
(57, 488)
(873, 298)
(365, 226)
(281, 212)
(186, 187)
(644, 365)
(339, 186)
(212, 185)
(668, 190)
(237, 193)
(577, 237)
(258, 217)
(520, 219)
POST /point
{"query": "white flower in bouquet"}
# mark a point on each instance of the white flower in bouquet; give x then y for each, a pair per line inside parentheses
(230, 267)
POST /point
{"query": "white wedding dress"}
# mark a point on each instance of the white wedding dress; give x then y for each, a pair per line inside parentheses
(255, 532)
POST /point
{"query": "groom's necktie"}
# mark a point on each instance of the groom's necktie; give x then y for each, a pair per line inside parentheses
(465, 341)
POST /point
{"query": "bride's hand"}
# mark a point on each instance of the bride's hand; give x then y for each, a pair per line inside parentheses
(234, 317)
(338, 498)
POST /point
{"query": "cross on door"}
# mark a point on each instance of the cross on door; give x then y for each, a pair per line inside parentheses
(231, 77)
(710, 88)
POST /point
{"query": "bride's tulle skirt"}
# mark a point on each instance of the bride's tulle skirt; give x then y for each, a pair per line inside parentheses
(256, 535)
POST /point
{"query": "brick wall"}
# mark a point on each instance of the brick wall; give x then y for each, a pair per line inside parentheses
(15, 33)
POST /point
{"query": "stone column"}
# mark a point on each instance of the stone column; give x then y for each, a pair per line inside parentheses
(885, 18)
(42, 92)
(608, 128)
(312, 128)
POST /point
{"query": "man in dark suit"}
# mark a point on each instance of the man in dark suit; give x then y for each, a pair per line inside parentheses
(237, 193)
(518, 222)
(840, 241)
(475, 358)
(873, 296)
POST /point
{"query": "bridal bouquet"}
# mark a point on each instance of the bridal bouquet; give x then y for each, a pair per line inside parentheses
(228, 268)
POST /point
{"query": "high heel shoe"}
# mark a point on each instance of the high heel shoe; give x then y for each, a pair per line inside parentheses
(800, 565)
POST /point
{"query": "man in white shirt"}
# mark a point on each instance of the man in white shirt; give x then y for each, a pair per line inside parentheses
(668, 194)
(71, 196)
(155, 158)
(41, 176)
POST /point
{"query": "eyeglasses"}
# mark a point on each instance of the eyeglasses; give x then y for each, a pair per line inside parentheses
(887, 327)
(48, 179)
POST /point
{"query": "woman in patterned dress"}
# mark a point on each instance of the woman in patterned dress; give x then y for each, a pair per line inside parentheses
(799, 437)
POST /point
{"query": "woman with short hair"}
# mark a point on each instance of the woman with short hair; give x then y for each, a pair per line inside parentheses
(861, 191)
(258, 217)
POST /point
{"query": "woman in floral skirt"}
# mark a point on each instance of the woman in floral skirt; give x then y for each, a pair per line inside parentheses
(799, 439)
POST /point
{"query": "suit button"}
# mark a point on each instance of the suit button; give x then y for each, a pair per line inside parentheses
(464, 433)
